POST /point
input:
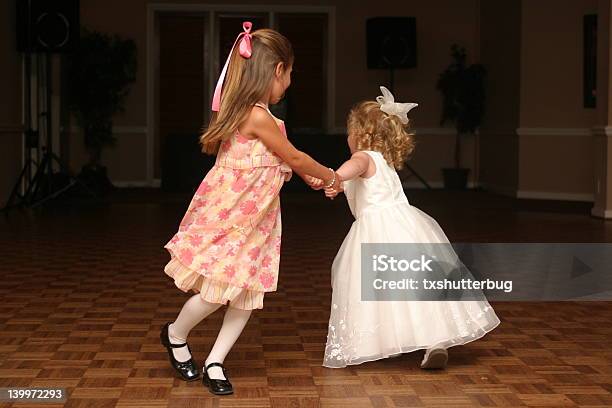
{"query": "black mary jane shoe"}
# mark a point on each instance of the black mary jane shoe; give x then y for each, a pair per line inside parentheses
(188, 370)
(217, 387)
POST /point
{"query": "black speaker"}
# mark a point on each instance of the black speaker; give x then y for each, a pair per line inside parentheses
(47, 25)
(391, 42)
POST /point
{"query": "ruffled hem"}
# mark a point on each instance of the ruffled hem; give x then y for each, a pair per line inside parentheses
(342, 363)
(212, 290)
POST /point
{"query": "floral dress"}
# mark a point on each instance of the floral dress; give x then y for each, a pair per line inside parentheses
(228, 244)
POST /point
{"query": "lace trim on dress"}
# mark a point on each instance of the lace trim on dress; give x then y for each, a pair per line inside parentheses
(342, 341)
(344, 338)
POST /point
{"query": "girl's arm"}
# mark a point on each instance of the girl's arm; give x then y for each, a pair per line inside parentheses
(355, 166)
(260, 124)
(314, 182)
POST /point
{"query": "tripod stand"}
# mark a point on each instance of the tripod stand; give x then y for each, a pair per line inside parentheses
(42, 187)
(408, 166)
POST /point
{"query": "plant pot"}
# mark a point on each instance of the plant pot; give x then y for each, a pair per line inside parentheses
(96, 178)
(455, 178)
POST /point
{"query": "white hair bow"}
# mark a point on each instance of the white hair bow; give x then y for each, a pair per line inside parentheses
(389, 106)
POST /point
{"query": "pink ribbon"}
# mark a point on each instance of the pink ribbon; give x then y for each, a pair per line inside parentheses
(245, 50)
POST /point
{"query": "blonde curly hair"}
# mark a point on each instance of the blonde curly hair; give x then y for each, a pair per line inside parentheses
(373, 129)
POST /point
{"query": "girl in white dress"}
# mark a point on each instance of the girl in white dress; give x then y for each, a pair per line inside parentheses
(361, 331)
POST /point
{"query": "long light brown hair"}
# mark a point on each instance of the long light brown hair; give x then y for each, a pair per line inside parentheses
(247, 82)
(375, 130)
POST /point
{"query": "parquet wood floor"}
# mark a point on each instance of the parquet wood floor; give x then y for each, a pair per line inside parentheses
(83, 296)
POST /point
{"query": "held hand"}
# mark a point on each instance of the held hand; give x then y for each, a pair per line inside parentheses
(314, 182)
(287, 172)
(332, 191)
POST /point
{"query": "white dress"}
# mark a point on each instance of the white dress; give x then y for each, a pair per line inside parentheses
(361, 331)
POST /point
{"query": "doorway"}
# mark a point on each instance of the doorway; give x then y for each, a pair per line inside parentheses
(190, 45)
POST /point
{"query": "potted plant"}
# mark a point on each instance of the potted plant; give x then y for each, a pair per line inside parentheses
(99, 74)
(463, 98)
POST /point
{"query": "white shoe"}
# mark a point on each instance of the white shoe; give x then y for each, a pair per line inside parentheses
(435, 358)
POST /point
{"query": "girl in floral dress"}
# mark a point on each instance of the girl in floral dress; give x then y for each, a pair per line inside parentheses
(228, 244)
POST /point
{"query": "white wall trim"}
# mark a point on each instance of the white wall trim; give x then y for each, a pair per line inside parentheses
(120, 130)
(424, 131)
(602, 131)
(258, 8)
(601, 213)
(129, 184)
(137, 183)
(503, 190)
(539, 195)
(130, 130)
(542, 131)
(416, 184)
(519, 131)
(558, 196)
(435, 131)
(536, 195)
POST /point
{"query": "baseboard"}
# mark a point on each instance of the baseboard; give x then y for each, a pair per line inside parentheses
(10, 128)
(156, 183)
(119, 130)
(131, 183)
(503, 190)
(601, 213)
(602, 131)
(541, 131)
(416, 184)
(422, 131)
(549, 195)
(539, 195)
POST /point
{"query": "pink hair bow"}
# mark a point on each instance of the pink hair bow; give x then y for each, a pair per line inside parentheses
(245, 51)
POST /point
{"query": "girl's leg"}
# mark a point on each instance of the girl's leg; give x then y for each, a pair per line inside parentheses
(233, 324)
(192, 313)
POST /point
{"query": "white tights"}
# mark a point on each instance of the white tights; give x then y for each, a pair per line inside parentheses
(192, 313)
